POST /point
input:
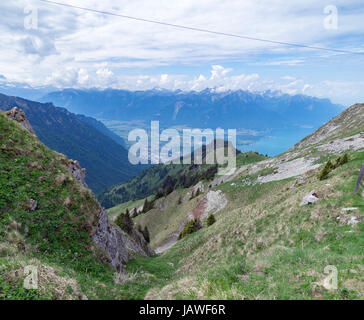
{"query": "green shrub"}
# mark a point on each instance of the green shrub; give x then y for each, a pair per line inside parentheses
(124, 222)
(210, 220)
(344, 159)
(146, 234)
(326, 170)
(192, 195)
(190, 227)
(329, 166)
(148, 205)
(134, 213)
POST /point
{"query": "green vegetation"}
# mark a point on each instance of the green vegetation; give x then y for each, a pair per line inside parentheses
(162, 179)
(329, 166)
(148, 205)
(210, 220)
(56, 236)
(190, 227)
(159, 179)
(124, 222)
(248, 158)
(264, 245)
(144, 232)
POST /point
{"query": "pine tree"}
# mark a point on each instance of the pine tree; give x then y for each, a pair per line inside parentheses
(344, 159)
(210, 220)
(326, 170)
(192, 195)
(146, 234)
(124, 222)
(146, 206)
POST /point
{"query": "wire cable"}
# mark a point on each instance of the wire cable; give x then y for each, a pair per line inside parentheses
(203, 30)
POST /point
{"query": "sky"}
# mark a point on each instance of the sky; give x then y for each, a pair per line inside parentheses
(47, 45)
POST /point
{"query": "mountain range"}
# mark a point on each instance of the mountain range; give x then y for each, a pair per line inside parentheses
(208, 109)
(266, 122)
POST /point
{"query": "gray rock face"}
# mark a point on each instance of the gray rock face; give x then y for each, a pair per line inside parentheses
(79, 173)
(111, 240)
(310, 198)
(19, 116)
(117, 244)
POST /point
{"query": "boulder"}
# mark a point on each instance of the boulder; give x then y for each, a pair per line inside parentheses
(310, 198)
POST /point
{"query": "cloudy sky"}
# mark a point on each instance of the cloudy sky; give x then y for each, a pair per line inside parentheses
(43, 44)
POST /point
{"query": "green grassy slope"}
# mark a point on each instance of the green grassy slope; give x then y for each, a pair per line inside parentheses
(56, 236)
(264, 245)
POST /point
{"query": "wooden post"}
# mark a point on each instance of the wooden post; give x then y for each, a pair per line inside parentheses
(361, 173)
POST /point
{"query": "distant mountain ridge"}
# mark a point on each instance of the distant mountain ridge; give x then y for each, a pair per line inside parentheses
(106, 161)
(208, 109)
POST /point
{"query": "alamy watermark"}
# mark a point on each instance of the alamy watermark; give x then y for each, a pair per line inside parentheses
(205, 145)
(31, 17)
(331, 280)
(331, 21)
(31, 277)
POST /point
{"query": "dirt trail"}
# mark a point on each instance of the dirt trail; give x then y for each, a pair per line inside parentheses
(172, 239)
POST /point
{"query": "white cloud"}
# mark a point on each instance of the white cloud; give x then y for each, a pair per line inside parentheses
(83, 49)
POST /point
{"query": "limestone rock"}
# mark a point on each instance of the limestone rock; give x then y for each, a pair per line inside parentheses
(117, 244)
(353, 220)
(109, 239)
(310, 198)
(78, 173)
(199, 186)
(211, 203)
(19, 116)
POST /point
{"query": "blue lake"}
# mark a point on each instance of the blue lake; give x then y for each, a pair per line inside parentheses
(277, 141)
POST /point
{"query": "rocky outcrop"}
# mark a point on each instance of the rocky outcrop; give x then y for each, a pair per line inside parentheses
(117, 244)
(111, 241)
(211, 203)
(19, 116)
(78, 173)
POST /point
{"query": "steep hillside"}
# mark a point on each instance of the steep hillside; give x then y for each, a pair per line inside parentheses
(154, 178)
(105, 160)
(347, 123)
(278, 227)
(50, 220)
(102, 128)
